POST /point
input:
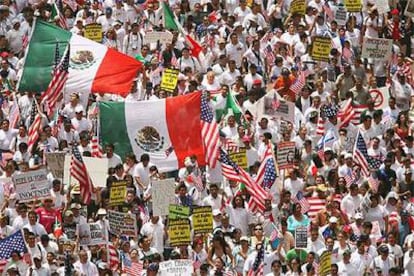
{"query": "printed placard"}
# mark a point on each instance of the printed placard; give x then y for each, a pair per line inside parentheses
(298, 7)
(90, 234)
(55, 163)
(377, 48)
(117, 192)
(93, 32)
(122, 223)
(176, 268)
(202, 219)
(286, 155)
(163, 194)
(240, 158)
(177, 211)
(301, 237)
(321, 47)
(179, 232)
(32, 185)
(353, 5)
(169, 79)
(340, 16)
(284, 111)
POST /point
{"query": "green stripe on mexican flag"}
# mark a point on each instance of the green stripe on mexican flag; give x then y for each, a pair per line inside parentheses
(93, 66)
(168, 130)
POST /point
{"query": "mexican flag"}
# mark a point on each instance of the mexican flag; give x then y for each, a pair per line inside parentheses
(168, 130)
(232, 106)
(93, 67)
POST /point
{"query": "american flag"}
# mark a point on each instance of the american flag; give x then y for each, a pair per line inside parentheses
(276, 234)
(132, 268)
(14, 115)
(320, 126)
(258, 265)
(328, 11)
(11, 243)
(299, 198)
(361, 156)
(350, 178)
(270, 56)
(55, 89)
(35, 123)
(266, 174)
(209, 132)
(230, 145)
(71, 4)
(232, 171)
(405, 69)
(346, 114)
(300, 82)
(61, 22)
(80, 173)
(113, 257)
(197, 263)
(316, 204)
(96, 147)
(3, 264)
(373, 183)
(358, 109)
(266, 38)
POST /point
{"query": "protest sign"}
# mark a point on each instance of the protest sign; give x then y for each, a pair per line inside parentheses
(202, 219)
(409, 10)
(240, 158)
(377, 48)
(32, 185)
(353, 5)
(97, 169)
(163, 194)
(154, 37)
(176, 211)
(285, 110)
(321, 47)
(285, 155)
(122, 223)
(55, 163)
(382, 6)
(70, 231)
(169, 79)
(325, 261)
(117, 192)
(340, 16)
(93, 32)
(90, 234)
(176, 268)
(298, 7)
(301, 237)
(380, 96)
(179, 232)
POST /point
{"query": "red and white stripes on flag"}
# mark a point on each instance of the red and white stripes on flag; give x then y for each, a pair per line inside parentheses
(230, 145)
(55, 89)
(80, 173)
(320, 126)
(303, 202)
(209, 133)
(346, 114)
(300, 82)
(33, 132)
(316, 204)
(96, 147)
(14, 115)
(113, 257)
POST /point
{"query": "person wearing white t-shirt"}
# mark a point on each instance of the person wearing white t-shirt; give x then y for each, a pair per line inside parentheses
(113, 158)
(142, 173)
(214, 199)
(7, 135)
(154, 229)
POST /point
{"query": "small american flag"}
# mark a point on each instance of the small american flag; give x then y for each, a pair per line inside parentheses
(270, 56)
(350, 178)
(320, 126)
(258, 265)
(71, 4)
(299, 198)
(300, 82)
(132, 268)
(35, 124)
(361, 156)
(11, 243)
(209, 132)
(14, 115)
(113, 257)
(358, 109)
(96, 147)
(346, 114)
(266, 174)
(373, 183)
(328, 11)
(316, 204)
(61, 21)
(276, 234)
(80, 173)
(230, 145)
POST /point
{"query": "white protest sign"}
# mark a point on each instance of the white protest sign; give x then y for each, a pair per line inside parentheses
(56, 163)
(32, 185)
(273, 106)
(97, 169)
(377, 48)
(90, 234)
(122, 223)
(154, 37)
(176, 268)
(340, 16)
(163, 194)
(382, 6)
(380, 97)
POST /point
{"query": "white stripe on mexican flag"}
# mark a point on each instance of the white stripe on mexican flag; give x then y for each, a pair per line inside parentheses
(93, 66)
(155, 127)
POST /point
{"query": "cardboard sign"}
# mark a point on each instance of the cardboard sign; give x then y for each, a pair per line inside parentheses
(176, 268)
(179, 232)
(285, 155)
(176, 211)
(122, 223)
(353, 5)
(301, 237)
(202, 219)
(93, 32)
(298, 7)
(325, 261)
(377, 48)
(163, 194)
(90, 234)
(154, 37)
(240, 158)
(321, 47)
(32, 185)
(169, 79)
(55, 163)
(118, 192)
(97, 169)
(340, 16)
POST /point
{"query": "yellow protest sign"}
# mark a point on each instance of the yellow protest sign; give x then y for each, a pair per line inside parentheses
(202, 219)
(177, 211)
(325, 263)
(93, 32)
(298, 7)
(117, 192)
(321, 47)
(353, 5)
(179, 232)
(240, 158)
(169, 79)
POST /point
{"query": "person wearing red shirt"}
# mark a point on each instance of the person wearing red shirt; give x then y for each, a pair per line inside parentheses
(48, 215)
(283, 83)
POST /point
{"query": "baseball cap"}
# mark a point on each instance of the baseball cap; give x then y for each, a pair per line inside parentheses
(333, 220)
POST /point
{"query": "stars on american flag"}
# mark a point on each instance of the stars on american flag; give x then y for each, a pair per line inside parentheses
(11, 243)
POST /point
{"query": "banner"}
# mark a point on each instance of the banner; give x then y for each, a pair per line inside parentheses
(176, 268)
(163, 194)
(240, 158)
(154, 37)
(56, 163)
(169, 79)
(298, 7)
(90, 234)
(202, 219)
(285, 155)
(122, 223)
(301, 237)
(377, 48)
(97, 169)
(179, 232)
(353, 5)
(32, 185)
(321, 48)
(93, 32)
(117, 192)
(340, 16)
(177, 211)
(325, 261)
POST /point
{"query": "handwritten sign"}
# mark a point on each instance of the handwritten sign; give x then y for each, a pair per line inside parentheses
(163, 194)
(93, 32)
(179, 232)
(298, 7)
(55, 163)
(176, 268)
(169, 79)
(301, 237)
(154, 37)
(90, 234)
(321, 47)
(240, 158)
(285, 155)
(32, 185)
(353, 5)
(340, 16)
(177, 211)
(118, 192)
(202, 219)
(377, 48)
(122, 223)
